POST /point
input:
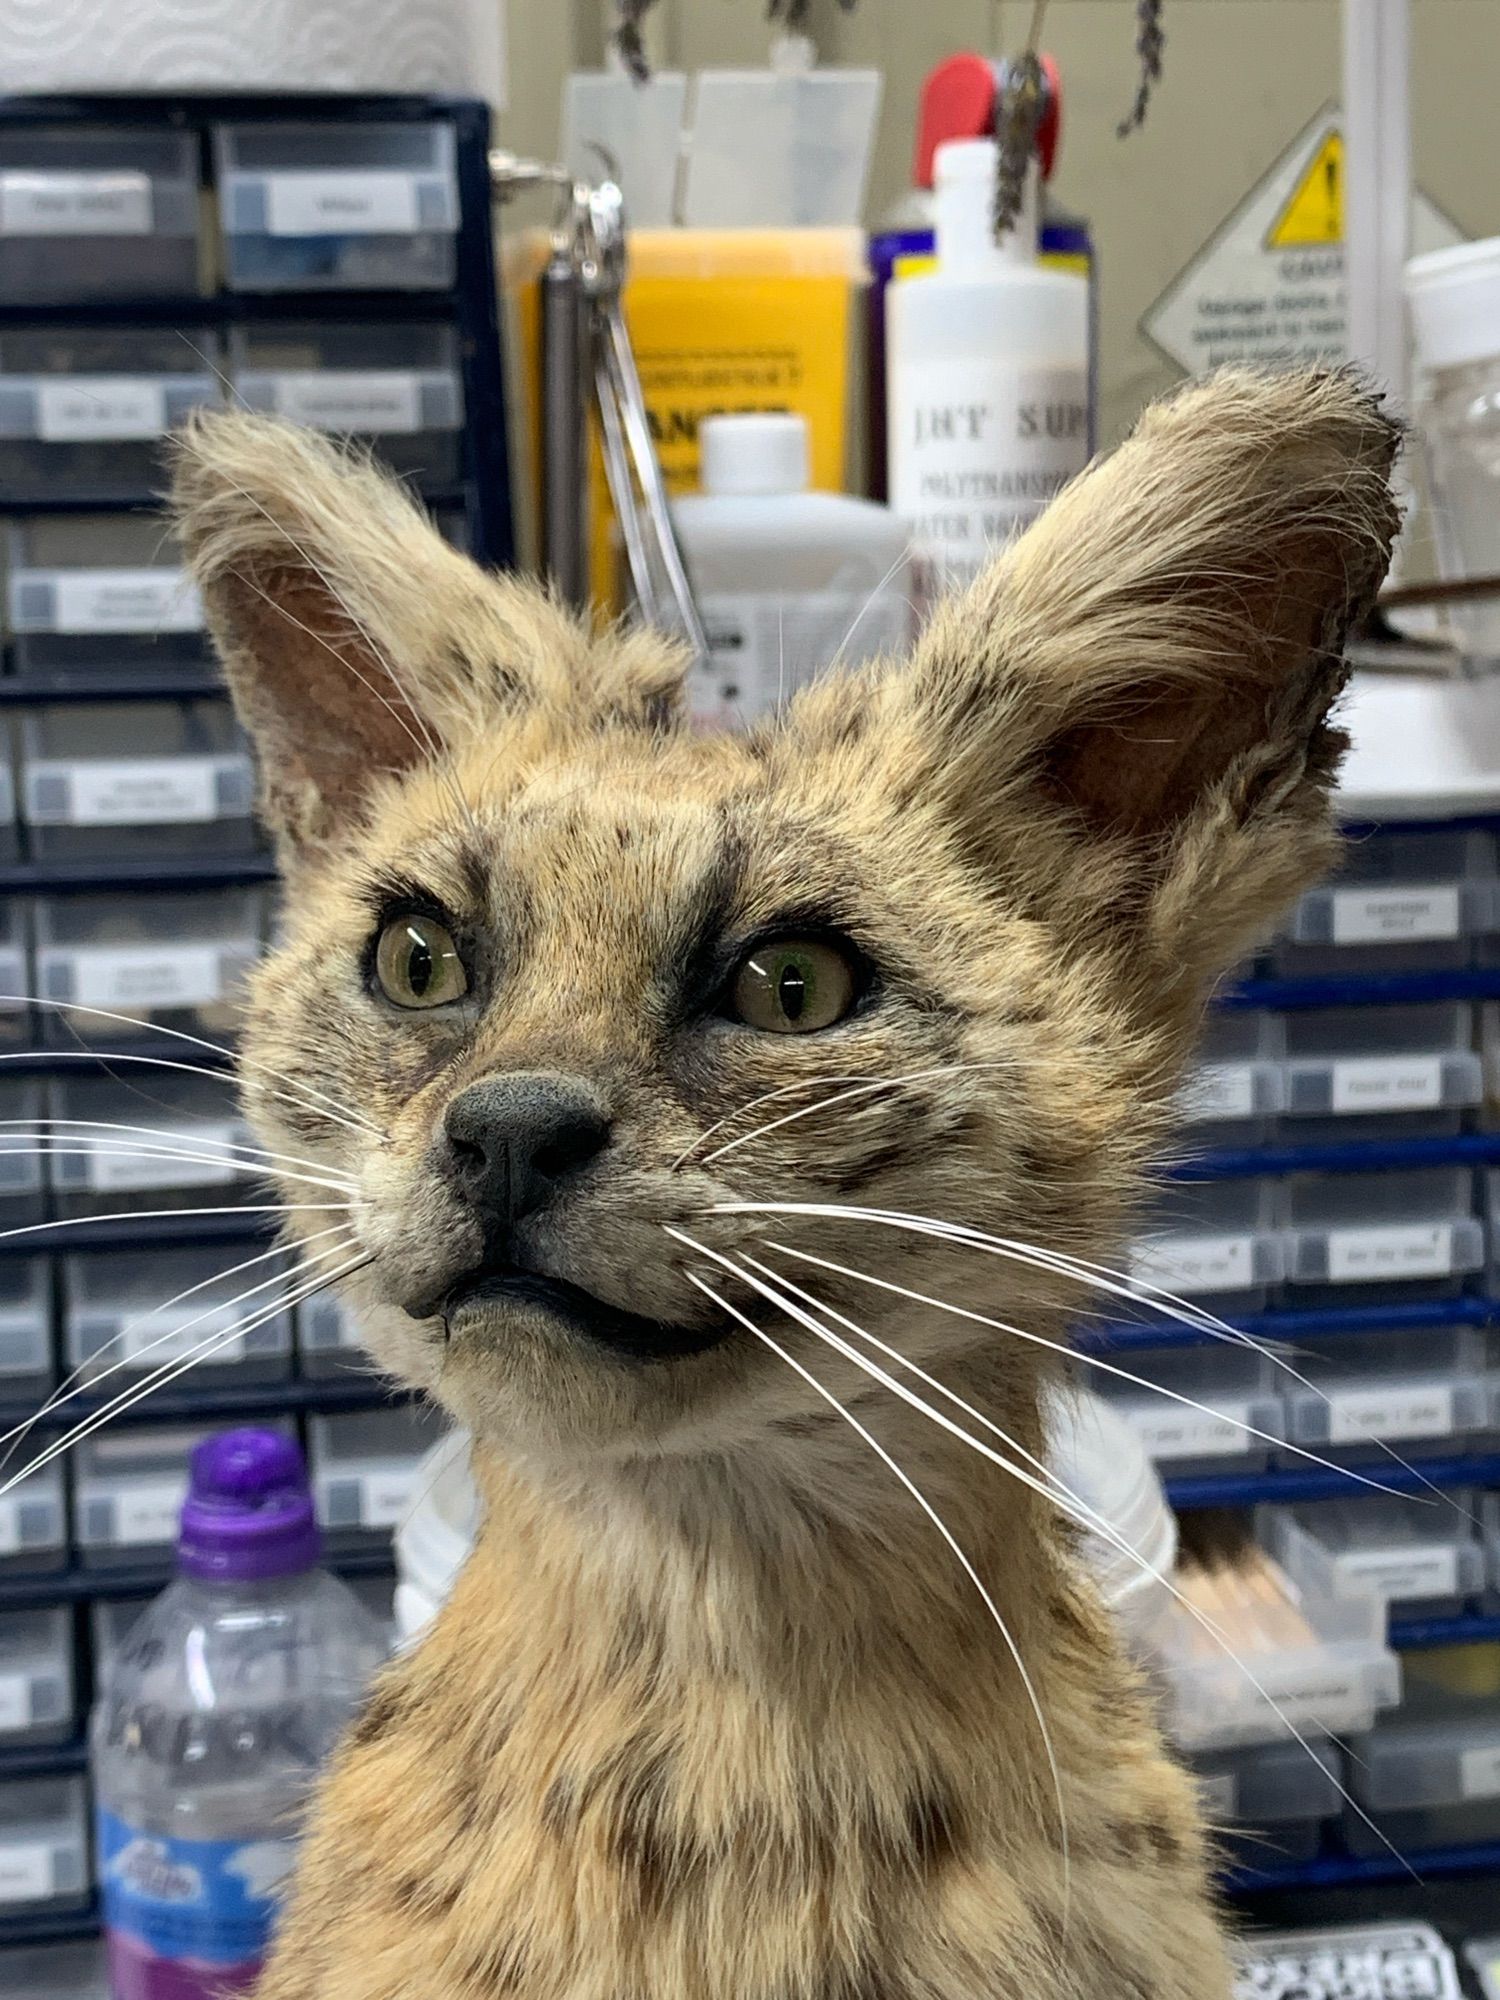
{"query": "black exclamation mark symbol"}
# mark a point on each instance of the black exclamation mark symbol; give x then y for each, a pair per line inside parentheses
(1335, 228)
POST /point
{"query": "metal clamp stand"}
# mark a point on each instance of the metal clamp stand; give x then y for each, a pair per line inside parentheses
(587, 361)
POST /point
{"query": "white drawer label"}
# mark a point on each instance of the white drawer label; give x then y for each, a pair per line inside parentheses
(143, 791)
(93, 408)
(166, 975)
(148, 1512)
(26, 1872)
(1195, 1263)
(1320, 1690)
(113, 1167)
(1417, 1250)
(10, 1525)
(1479, 1772)
(125, 600)
(1403, 1573)
(1171, 1430)
(1218, 1796)
(384, 1497)
(171, 1336)
(1396, 915)
(333, 204)
(1402, 1410)
(15, 1701)
(33, 204)
(1388, 1083)
(351, 400)
(1219, 1090)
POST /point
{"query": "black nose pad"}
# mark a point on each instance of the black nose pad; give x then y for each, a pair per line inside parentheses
(511, 1139)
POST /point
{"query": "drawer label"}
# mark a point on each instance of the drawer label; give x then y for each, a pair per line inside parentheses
(1171, 1430)
(1395, 915)
(173, 1336)
(350, 399)
(1479, 1772)
(384, 1497)
(139, 791)
(112, 1166)
(1219, 1090)
(1402, 1410)
(35, 204)
(15, 1701)
(335, 204)
(26, 1871)
(1188, 1263)
(95, 408)
(148, 1511)
(125, 600)
(1388, 1083)
(1402, 1573)
(10, 1525)
(166, 975)
(1416, 1250)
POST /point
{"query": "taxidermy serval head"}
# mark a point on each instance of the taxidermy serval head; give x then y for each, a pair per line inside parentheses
(577, 1003)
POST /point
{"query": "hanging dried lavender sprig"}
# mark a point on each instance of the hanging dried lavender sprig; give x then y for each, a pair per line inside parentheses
(630, 43)
(1150, 40)
(1023, 95)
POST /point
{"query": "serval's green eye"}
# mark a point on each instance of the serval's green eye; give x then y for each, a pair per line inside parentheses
(793, 986)
(418, 965)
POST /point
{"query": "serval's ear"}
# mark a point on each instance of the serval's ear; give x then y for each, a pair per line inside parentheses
(1138, 689)
(356, 641)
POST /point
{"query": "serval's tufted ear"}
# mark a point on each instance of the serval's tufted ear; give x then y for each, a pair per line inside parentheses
(356, 641)
(1138, 688)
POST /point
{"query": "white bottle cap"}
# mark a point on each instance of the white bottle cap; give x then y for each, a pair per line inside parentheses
(762, 453)
(1455, 303)
(963, 177)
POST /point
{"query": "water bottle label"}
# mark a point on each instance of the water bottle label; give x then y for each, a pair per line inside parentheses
(186, 1917)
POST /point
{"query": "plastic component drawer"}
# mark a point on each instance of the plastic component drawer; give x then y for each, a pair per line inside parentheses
(97, 214)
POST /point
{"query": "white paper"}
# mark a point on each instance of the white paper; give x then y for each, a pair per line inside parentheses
(384, 1497)
(1390, 1410)
(15, 1701)
(1219, 1090)
(112, 1166)
(1191, 1263)
(148, 1511)
(1479, 1772)
(141, 791)
(37, 204)
(378, 401)
(1171, 1430)
(1395, 915)
(93, 408)
(1411, 1250)
(162, 975)
(1387, 1083)
(341, 203)
(124, 600)
(1401, 1573)
(26, 1874)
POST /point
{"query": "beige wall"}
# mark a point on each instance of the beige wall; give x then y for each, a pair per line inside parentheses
(1242, 77)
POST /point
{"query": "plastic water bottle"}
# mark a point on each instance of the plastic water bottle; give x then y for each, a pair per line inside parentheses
(224, 1701)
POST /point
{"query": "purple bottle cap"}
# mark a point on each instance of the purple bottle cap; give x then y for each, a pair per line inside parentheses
(249, 1511)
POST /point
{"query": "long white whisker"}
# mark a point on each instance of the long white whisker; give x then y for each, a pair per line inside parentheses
(863, 612)
(937, 1521)
(81, 1379)
(176, 1215)
(170, 1135)
(1060, 1495)
(1095, 1361)
(86, 1142)
(310, 1098)
(167, 1373)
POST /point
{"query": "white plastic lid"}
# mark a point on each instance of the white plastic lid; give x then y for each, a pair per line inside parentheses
(963, 177)
(762, 453)
(1454, 296)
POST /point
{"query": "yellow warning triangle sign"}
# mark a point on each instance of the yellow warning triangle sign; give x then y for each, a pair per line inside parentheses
(1314, 211)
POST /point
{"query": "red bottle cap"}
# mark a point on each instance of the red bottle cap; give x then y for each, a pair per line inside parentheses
(958, 102)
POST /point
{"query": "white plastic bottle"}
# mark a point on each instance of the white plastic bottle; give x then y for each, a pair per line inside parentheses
(786, 580)
(987, 377)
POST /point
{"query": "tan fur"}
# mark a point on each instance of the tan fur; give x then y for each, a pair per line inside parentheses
(715, 1715)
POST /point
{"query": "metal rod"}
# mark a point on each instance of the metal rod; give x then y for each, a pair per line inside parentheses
(564, 428)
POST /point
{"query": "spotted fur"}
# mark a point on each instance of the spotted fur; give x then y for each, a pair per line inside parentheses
(713, 1714)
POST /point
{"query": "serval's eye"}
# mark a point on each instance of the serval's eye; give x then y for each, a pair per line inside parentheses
(793, 986)
(418, 964)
